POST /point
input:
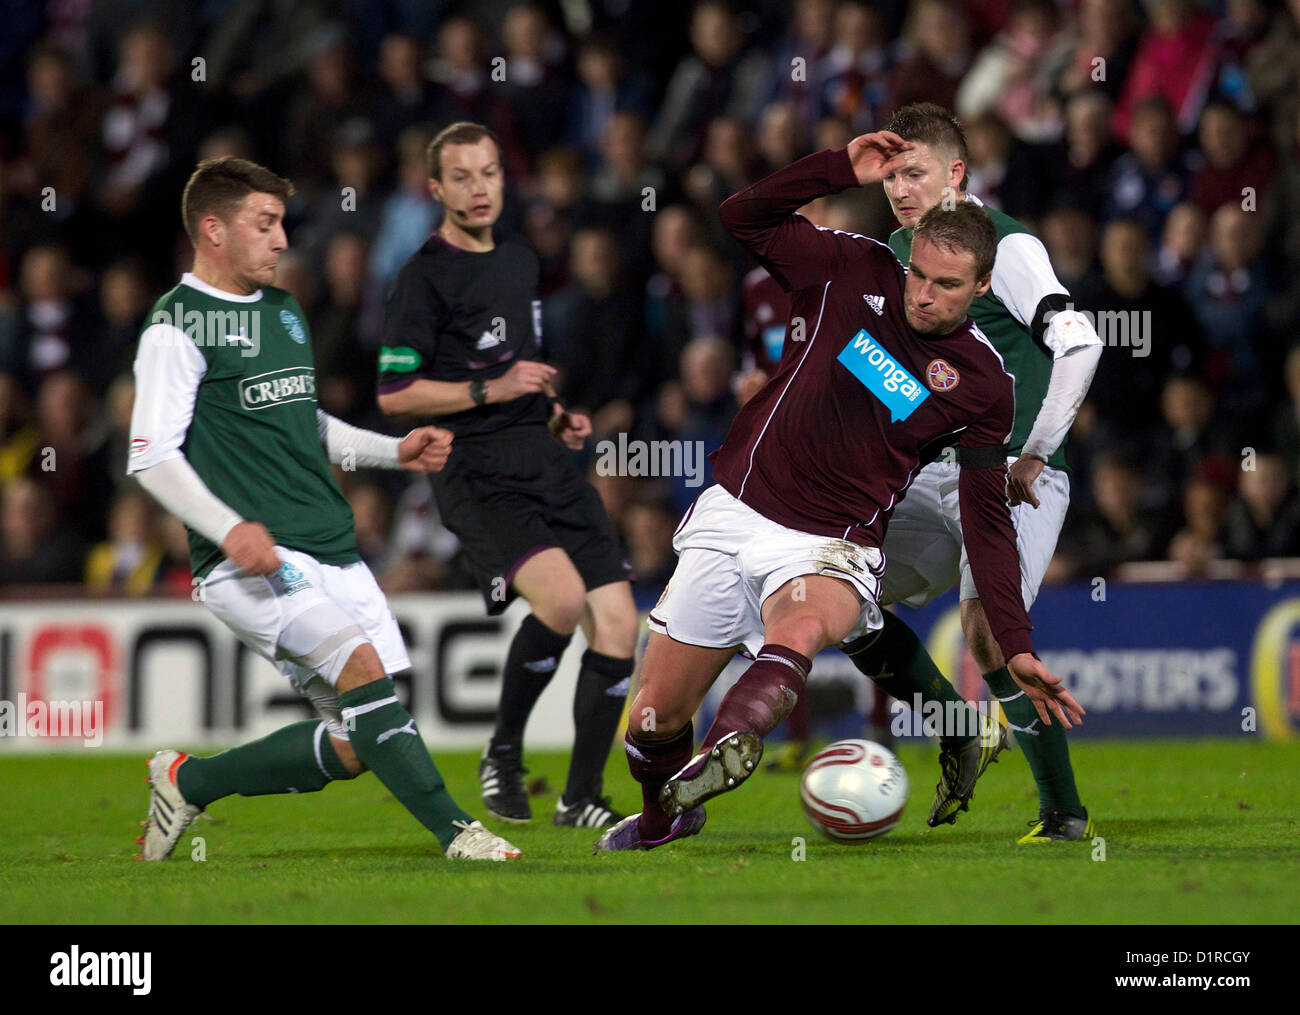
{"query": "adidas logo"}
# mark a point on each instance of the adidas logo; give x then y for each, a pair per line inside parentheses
(876, 303)
(487, 340)
(541, 665)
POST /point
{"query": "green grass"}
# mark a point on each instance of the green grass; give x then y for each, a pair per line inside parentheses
(1195, 832)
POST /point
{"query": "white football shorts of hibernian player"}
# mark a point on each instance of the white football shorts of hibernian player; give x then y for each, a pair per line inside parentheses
(731, 559)
(923, 543)
(226, 429)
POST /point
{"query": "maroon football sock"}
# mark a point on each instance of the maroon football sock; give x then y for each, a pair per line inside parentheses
(799, 725)
(763, 697)
(653, 761)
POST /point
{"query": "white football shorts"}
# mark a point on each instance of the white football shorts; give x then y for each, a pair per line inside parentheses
(731, 558)
(923, 543)
(308, 618)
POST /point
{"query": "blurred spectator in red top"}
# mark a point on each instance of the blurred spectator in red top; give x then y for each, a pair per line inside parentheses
(1009, 75)
(1232, 160)
(1175, 59)
(938, 40)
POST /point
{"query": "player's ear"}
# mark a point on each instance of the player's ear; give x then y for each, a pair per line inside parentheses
(213, 229)
(956, 173)
(435, 189)
(982, 285)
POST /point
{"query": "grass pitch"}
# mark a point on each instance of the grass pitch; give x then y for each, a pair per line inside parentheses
(1195, 832)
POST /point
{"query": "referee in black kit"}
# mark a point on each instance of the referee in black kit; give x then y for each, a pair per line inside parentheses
(462, 342)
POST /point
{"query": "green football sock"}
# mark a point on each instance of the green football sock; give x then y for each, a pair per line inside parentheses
(1045, 747)
(285, 761)
(897, 661)
(385, 738)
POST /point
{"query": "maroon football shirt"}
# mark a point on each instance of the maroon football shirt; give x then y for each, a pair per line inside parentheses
(857, 406)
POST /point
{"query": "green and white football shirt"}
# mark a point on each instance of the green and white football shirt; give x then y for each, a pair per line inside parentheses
(228, 382)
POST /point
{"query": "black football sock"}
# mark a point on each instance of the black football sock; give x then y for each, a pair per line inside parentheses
(597, 707)
(897, 661)
(531, 662)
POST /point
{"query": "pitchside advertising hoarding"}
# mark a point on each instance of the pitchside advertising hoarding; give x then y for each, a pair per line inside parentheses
(1149, 660)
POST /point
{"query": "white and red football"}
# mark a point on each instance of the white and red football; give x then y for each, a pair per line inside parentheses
(854, 790)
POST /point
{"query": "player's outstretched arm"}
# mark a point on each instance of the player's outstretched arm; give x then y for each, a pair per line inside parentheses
(796, 252)
(424, 449)
(990, 540)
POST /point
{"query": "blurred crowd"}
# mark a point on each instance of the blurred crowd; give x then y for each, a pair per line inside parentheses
(1154, 146)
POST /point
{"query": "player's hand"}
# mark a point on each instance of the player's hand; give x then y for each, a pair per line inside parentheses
(1020, 480)
(571, 428)
(251, 547)
(425, 449)
(877, 155)
(524, 378)
(1044, 689)
(749, 384)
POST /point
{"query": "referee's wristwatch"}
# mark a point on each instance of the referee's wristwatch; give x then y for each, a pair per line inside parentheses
(478, 391)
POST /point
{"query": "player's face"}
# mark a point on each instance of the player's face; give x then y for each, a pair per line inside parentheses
(254, 239)
(919, 185)
(941, 285)
(471, 187)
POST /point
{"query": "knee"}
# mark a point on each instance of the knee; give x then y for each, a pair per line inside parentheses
(657, 716)
(806, 633)
(561, 607)
(615, 630)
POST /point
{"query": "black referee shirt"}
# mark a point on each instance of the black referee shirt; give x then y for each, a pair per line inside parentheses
(455, 315)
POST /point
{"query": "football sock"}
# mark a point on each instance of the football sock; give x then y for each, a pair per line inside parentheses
(799, 724)
(531, 662)
(1045, 747)
(285, 761)
(897, 661)
(653, 761)
(763, 696)
(385, 738)
(597, 708)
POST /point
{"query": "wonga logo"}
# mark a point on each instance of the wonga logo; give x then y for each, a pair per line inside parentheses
(879, 371)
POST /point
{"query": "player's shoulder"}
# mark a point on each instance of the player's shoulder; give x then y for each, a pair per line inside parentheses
(1002, 222)
(972, 345)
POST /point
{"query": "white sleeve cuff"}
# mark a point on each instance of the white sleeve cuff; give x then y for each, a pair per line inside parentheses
(353, 447)
(176, 486)
(1071, 376)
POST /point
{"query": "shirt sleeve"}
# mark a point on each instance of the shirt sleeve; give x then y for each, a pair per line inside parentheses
(168, 371)
(413, 319)
(764, 218)
(1023, 277)
(987, 530)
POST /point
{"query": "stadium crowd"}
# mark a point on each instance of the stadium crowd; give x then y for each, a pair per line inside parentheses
(1154, 147)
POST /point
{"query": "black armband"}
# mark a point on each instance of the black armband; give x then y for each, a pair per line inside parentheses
(983, 458)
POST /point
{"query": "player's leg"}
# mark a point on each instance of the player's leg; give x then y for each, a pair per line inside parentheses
(553, 588)
(610, 624)
(1061, 812)
(660, 736)
(804, 615)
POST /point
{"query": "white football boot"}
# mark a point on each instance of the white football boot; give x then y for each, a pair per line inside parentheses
(169, 814)
(474, 842)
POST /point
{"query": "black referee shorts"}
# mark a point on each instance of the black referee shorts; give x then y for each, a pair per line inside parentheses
(510, 495)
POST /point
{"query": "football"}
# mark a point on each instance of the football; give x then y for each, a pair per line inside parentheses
(854, 790)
